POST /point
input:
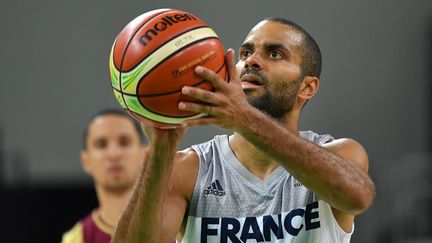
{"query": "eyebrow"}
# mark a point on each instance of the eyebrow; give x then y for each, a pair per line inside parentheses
(98, 138)
(271, 46)
(247, 45)
(267, 46)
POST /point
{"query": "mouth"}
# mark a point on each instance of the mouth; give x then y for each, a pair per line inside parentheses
(115, 170)
(251, 81)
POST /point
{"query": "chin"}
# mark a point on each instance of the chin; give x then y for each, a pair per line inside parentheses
(253, 96)
(257, 100)
(118, 185)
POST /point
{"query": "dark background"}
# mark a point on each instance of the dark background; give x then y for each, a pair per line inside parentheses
(375, 87)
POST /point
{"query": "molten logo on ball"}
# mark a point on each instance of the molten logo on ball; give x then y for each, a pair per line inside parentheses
(163, 25)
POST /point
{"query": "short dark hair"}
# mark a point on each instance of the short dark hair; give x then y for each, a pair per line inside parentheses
(111, 111)
(310, 51)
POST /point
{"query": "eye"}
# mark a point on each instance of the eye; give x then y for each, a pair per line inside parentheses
(245, 53)
(100, 143)
(125, 141)
(274, 54)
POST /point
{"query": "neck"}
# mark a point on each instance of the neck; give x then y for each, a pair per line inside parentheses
(111, 205)
(255, 160)
(291, 121)
(252, 158)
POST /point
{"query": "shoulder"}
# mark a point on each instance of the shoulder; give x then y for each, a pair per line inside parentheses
(350, 150)
(74, 235)
(191, 157)
(186, 161)
(184, 172)
(186, 156)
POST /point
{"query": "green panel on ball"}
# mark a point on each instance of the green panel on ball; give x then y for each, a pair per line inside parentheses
(119, 98)
(135, 106)
(114, 73)
(130, 80)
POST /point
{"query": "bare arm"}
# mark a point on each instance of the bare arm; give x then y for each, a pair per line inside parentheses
(335, 176)
(340, 181)
(143, 218)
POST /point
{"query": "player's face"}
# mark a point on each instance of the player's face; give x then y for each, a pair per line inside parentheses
(114, 152)
(269, 67)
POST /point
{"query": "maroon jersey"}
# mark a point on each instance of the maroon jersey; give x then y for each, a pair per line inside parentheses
(94, 230)
(90, 229)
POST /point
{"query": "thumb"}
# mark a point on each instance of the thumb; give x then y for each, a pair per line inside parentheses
(231, 66)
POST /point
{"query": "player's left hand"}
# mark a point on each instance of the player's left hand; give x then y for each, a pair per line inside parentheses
(226, 107)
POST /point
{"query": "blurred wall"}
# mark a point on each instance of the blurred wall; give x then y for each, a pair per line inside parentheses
(375, 87)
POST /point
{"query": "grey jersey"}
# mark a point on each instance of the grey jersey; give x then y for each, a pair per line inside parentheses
(230, 204)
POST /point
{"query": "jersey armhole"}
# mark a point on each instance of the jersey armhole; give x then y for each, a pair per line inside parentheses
(342, 234)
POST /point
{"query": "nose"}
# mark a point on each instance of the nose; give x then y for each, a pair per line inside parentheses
(114, 152)
(253, 60)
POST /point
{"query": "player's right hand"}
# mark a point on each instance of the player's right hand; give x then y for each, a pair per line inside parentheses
(163, 135)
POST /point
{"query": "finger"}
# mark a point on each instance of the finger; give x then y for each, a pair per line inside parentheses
(195, 107)
(231, 66)
(201, 94)
(211, 76)
(200, 121)
(209, 110)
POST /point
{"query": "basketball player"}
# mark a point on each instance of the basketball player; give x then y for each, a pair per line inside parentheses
(268, 182)
(113, 152)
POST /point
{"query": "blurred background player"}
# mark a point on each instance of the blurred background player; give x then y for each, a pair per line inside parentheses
(113, 152)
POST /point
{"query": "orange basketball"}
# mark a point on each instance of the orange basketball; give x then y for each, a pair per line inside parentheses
(154, 56)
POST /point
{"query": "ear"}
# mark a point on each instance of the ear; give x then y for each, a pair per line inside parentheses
(308, 88)
(85, 161)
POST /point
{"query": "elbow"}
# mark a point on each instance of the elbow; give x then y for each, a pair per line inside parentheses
(363, 199)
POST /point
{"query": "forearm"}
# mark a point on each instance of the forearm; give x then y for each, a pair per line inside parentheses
(342, 184)
(142, 218)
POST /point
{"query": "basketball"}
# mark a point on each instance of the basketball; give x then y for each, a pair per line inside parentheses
(154, 56)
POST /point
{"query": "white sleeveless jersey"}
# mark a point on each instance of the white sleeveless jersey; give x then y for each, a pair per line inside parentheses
(230, 204)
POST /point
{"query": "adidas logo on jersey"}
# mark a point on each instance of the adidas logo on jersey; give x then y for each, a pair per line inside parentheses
(297, 184)
(215, 188)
